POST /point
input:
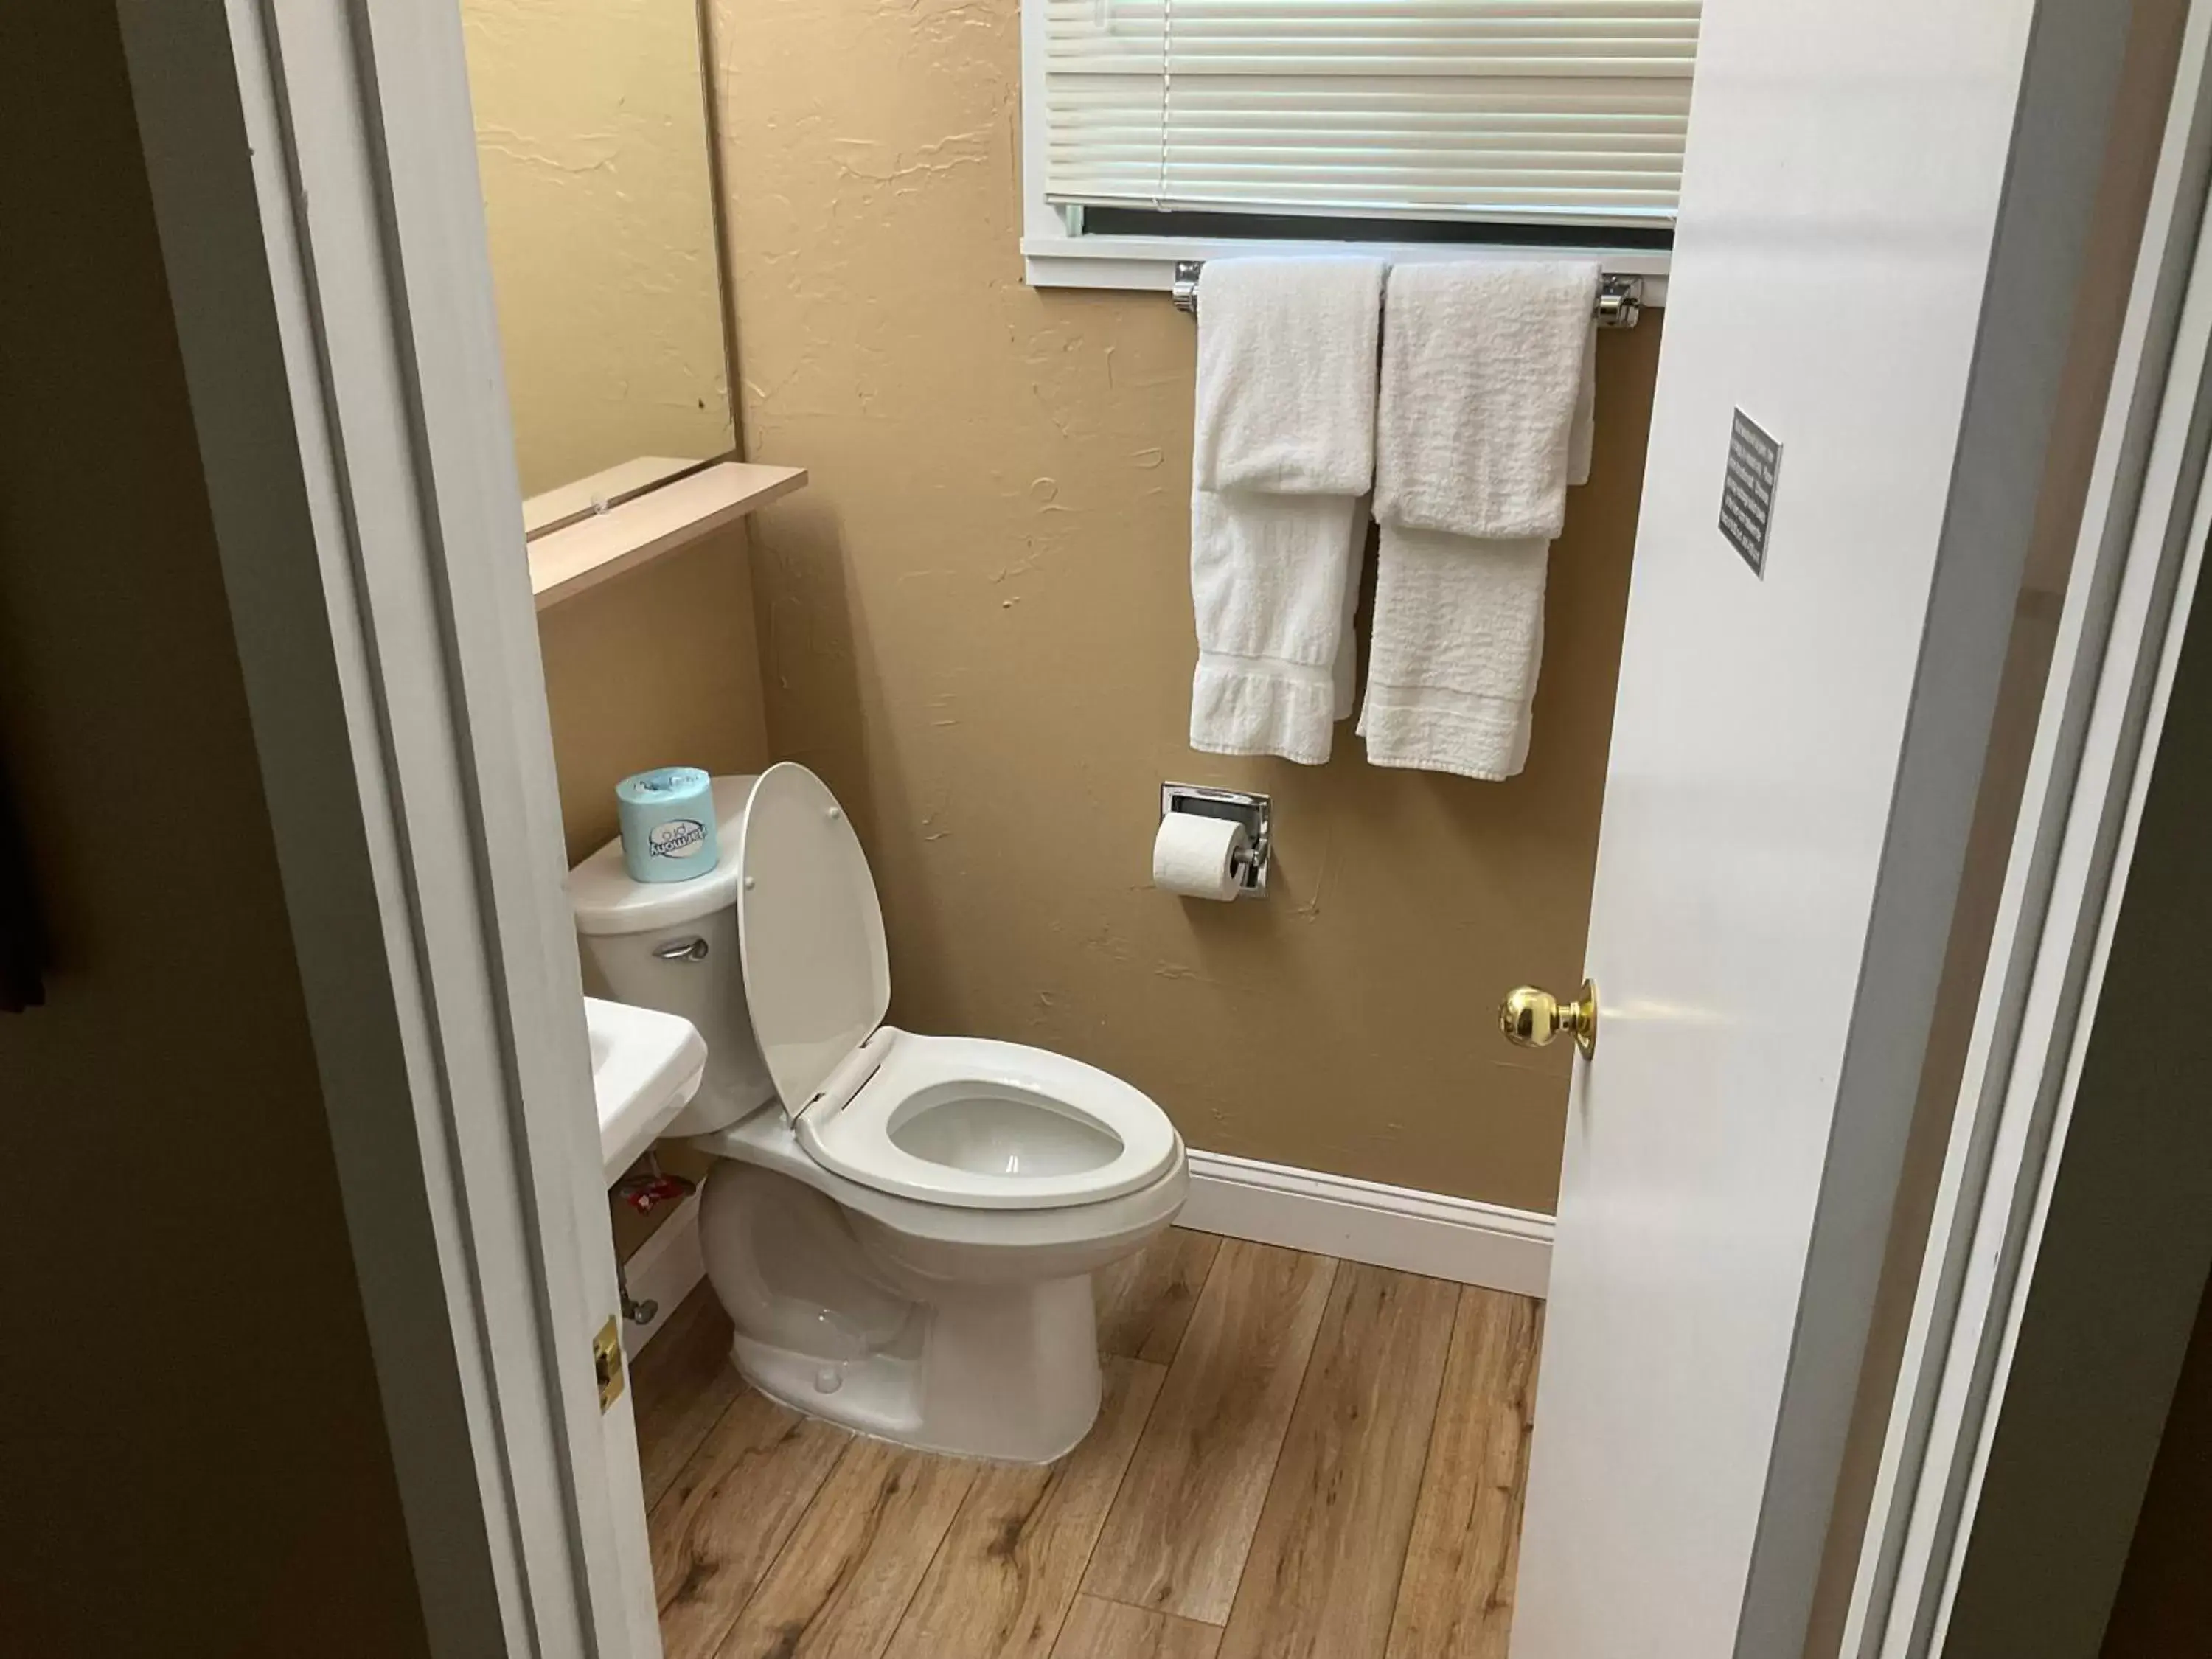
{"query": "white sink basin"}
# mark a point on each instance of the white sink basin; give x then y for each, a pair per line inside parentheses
(645, 1067)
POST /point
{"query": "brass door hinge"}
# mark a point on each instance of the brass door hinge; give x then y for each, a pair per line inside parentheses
(607, 1362)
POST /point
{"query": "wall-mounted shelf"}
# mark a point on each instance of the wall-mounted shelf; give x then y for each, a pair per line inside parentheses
(565, 562)
(559, 507)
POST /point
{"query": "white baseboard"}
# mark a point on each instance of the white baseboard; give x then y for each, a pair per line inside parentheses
(1455, 1238)
(663, 1270)
(1417, 1232)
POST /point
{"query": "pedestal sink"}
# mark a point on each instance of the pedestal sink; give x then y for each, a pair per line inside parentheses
(646, 1066)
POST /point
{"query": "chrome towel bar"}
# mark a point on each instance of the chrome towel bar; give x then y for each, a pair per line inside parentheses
(1620, 299)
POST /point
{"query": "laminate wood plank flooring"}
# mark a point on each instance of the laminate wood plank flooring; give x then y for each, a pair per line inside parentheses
(1005, 1575)
(1323, 1573)
(1296, 1459)
(1112, 1629)
(1144, 1301)
(694, 1384)
(1177, 1539)
(1457, 1599)
(726, 1518)
(850, 1569)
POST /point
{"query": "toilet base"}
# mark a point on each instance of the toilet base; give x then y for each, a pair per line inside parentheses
(1009, 1374)
(837, 1321)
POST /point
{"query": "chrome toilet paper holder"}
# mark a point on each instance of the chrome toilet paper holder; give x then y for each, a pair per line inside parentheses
(1238, 806)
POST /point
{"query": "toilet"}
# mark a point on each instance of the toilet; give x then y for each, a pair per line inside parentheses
(901, 1228)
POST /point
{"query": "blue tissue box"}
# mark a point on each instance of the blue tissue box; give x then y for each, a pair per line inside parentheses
(667, 817)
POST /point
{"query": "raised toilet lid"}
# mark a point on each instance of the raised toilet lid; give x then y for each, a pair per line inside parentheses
(810, 933)
(952, 1121)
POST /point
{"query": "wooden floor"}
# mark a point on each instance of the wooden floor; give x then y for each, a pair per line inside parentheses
(1297, 1458)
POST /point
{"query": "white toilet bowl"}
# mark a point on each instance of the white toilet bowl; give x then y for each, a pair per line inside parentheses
(901, 1228)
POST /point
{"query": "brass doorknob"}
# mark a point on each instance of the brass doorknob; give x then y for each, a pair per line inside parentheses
(1532, 1018)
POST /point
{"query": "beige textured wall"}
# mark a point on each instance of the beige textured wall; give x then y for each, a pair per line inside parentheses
(193, 1459)
(976, 623)
(660, 667)
(592, 145)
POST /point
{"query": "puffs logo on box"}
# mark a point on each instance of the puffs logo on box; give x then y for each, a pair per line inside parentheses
(678, 838)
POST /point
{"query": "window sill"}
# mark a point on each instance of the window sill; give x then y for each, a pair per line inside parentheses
(1149, 262)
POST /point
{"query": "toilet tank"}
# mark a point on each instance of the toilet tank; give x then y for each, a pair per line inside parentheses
(673, 945)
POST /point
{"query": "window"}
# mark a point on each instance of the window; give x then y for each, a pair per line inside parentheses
(1164, 130)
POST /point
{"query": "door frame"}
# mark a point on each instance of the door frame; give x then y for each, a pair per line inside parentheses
(2007, 1257)
(314, 178)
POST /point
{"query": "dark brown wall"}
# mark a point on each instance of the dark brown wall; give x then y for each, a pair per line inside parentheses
(2164, 1610)
(192, 1458)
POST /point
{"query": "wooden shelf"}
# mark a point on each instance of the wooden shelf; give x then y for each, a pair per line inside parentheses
(565, 562)
(571, 502)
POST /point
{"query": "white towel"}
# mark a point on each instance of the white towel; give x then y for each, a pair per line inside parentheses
(1347, 641)
(1483, 362)
(1283, 455)
(1286, 373)
(1451, 666)
(1582, 437)
(1268, 578)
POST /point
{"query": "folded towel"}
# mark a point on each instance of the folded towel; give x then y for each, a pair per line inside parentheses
(1268, 576)
(1581, 436)
(1451, 666)
(1483, 362)
(1286, 368)
(1347, 640)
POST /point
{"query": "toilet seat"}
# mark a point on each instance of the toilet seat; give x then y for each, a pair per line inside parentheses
(955, 1121)
(994, 1125)
(767, 1140)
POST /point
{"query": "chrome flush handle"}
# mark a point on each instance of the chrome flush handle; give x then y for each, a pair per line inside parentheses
(681, 950)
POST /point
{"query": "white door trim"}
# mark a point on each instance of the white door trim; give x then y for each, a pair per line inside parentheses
(324, 241)
(2136, 567)
(1460, 1239)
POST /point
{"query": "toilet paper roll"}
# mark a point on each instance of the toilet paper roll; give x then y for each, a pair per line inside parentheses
(1193, 855)
(666, 816)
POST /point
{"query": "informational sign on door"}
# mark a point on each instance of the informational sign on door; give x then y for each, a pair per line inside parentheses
(1755, 462)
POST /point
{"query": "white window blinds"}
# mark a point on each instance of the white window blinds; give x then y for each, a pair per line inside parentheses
(1535, 111)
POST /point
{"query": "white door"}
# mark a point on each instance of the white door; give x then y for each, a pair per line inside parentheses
(1883, 219)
